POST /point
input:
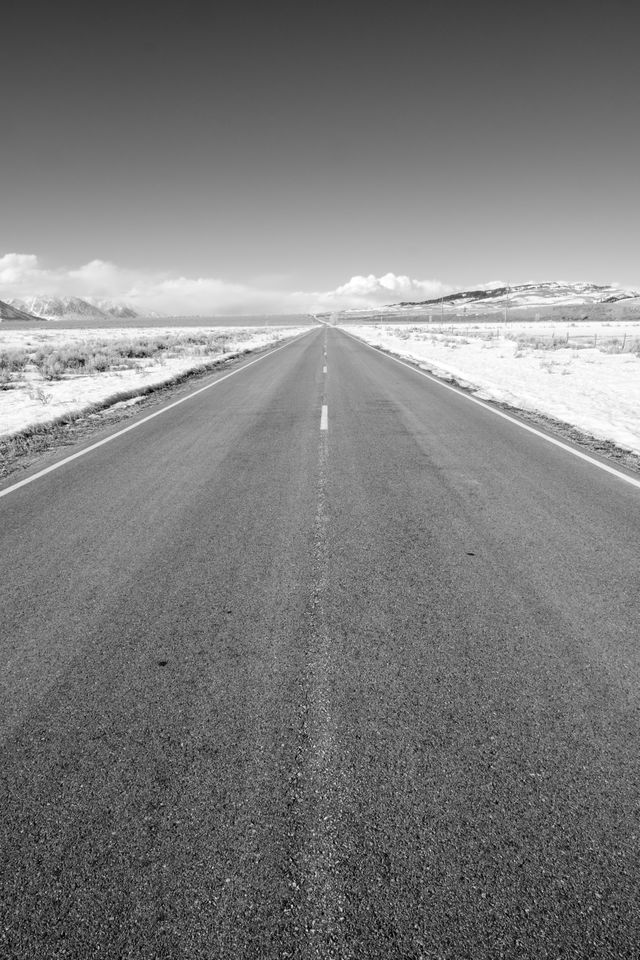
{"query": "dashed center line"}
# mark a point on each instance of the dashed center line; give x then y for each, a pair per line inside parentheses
(324, 369)
(324, 418)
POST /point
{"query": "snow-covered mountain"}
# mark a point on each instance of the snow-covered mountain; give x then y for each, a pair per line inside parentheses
(73, 308)
(553, 293)
(123, 311)
(9, 311)
(58, 308)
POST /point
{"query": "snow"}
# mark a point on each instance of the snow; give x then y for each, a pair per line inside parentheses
(578, 382)
(493, 298)
(33, 400)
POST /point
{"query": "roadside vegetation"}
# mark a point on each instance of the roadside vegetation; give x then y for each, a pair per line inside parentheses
(96, 356)
(57, 386)
(544, 338)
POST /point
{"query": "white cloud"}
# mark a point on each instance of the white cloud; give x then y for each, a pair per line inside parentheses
(21, 275)
(491, 285)
(101, 278)
(15, 267)
(389, 288)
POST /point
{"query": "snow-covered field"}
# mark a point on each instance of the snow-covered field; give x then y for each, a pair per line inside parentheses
(40, 380)
(587, 375)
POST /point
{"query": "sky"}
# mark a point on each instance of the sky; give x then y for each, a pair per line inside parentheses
(245, 157)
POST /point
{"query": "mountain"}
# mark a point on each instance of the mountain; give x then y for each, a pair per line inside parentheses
(113, 308)
(73, 308)
(9, 311)
(58, 308)
(553, 293)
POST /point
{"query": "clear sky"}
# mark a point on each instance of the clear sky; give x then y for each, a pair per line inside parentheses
(292, 146)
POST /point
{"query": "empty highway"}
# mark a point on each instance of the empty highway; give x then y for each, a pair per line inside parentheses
(326, 661)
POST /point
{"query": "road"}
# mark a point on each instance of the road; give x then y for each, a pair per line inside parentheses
(276, 691)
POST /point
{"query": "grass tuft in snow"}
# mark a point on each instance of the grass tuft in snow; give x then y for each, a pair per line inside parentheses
(99, 356)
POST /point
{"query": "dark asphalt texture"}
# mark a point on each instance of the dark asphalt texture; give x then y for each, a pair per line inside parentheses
(275, 692)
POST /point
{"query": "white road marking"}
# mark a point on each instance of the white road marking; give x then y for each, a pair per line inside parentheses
(324, 369)
(505, 416)
(324, 418)
(138, 423)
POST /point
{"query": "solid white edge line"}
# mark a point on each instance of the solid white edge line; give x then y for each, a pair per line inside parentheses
(499, 413)
(324, 418)
(138, 423)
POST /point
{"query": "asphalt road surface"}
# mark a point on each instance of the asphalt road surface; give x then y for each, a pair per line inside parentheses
(269, 690)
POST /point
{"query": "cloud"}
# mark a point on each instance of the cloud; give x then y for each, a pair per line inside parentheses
(389, 288)
(15, 267)
(22, 275)
(101, 278)
(491, 285)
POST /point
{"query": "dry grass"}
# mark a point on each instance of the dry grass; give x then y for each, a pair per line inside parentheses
(12, 364)
(452, 336)
(99, 356)
(598, 341)
(19, 448)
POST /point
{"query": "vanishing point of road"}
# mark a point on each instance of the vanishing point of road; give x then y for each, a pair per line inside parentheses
(326, 661)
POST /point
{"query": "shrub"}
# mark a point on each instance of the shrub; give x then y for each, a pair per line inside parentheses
(37, 393)
(13, 361)
(50, 365)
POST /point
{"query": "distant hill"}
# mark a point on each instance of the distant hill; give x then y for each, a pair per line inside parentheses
(8, 311)
(553, 293)
(73, 308)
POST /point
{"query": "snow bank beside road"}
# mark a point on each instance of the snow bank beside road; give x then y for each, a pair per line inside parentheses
(28, 398)
(593, 389)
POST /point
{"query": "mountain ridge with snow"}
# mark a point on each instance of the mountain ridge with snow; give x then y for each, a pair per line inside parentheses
(546, 294)
(65, 308)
